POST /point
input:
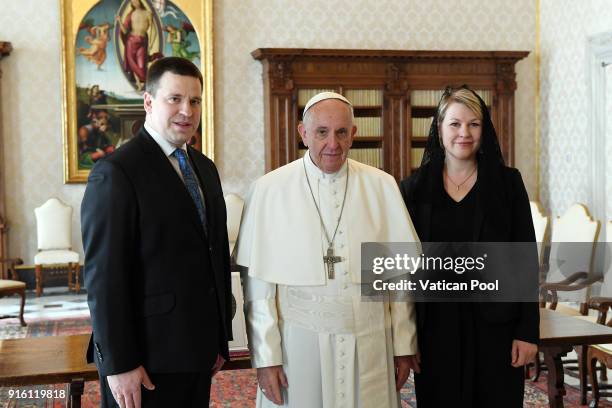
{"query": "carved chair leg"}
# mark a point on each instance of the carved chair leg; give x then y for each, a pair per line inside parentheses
(603, 375)
(77, 272)
(22, 307)
(592, 367)
(39, 278)
(70, 284)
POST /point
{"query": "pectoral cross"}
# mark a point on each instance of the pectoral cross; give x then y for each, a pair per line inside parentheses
(329, 260)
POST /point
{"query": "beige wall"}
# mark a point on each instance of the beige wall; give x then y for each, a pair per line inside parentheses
(31, 120)
(435, 24)
(31, 117)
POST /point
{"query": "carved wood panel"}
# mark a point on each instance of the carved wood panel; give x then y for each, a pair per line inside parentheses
(397, 73)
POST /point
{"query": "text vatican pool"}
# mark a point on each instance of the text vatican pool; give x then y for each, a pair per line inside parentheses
(430, 285)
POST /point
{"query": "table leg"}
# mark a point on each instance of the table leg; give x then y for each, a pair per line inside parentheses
(556, 388)
(75, 390)
(581, 351)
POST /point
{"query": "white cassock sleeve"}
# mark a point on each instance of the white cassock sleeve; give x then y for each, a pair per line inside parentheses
(262, 322)
(403, 326)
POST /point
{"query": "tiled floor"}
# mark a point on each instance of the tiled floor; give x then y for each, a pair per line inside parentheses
(55, 303)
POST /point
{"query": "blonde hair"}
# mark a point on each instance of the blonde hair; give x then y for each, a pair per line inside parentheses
(459, 95)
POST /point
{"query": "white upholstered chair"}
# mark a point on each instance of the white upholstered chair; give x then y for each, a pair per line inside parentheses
(540, 225)
(234, 205)
(573, 239)
(54, 232)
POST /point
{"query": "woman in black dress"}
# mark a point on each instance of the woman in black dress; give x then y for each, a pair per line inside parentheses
(471, 353)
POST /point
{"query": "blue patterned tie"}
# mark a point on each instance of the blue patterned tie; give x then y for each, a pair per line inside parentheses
(191, 183)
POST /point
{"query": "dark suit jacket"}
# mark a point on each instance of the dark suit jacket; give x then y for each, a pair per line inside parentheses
(502, 215)
(158, 286)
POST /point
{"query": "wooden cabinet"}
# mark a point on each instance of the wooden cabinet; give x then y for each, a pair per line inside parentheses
(394, 94)
(5, 50)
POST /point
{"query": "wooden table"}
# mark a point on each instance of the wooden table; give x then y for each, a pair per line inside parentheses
(558, 334)
(47, 360)
(61, 359)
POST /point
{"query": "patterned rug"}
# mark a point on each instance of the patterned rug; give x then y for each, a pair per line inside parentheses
(231, 389)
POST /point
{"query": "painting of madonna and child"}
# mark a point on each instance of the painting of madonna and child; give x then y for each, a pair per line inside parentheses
(116, 42)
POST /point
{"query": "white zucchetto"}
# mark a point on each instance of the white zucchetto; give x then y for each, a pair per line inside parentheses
(323, 96)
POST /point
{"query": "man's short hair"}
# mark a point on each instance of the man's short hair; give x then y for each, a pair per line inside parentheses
(175, 65)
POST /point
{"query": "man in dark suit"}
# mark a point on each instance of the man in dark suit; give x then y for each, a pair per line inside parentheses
(156, 255)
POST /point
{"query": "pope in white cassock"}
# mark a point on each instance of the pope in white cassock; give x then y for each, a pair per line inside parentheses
(313, 341)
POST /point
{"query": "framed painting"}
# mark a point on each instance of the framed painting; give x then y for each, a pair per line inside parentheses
(107, 47)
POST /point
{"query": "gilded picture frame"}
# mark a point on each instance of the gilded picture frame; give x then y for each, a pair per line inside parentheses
(107, 46)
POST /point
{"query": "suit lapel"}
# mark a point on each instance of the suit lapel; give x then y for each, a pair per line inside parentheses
(166, 176)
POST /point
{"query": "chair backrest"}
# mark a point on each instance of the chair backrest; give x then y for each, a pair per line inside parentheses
(53, 225)
(540, 224)
(573, 239)
(234, 205)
